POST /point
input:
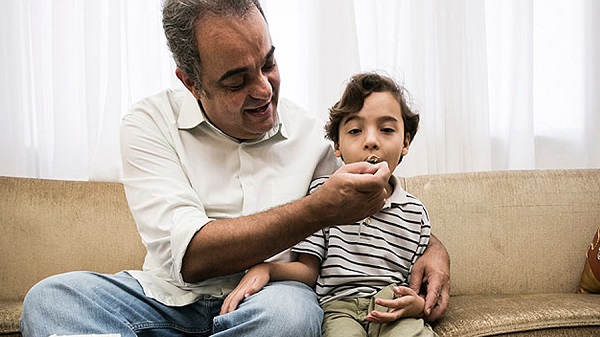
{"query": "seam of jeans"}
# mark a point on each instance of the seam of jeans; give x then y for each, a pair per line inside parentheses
(166, 325)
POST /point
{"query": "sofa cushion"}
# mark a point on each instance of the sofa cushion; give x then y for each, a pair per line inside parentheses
(10, 313)
(507, 315)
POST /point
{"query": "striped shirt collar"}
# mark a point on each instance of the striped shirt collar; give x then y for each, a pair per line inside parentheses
(398, 196)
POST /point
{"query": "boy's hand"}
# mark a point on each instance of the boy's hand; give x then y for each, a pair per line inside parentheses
(407, 304)
(255, 279)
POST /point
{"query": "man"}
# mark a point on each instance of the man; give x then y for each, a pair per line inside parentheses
(216, 177)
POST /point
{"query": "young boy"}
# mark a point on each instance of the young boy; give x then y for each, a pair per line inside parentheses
(361, 271)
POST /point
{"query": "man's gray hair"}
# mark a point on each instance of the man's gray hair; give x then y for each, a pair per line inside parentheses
(180, 18)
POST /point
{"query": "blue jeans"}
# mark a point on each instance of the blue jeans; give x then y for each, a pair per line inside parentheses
(90, 303)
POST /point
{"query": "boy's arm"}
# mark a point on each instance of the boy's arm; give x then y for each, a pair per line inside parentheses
(305, 269)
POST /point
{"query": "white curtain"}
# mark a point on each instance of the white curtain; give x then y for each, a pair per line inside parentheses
(70, 69)
(500, 84)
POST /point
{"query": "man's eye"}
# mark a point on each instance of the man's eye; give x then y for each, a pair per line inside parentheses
(270, 65)
(235, 87)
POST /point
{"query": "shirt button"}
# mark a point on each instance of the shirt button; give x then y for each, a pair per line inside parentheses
(367, 221)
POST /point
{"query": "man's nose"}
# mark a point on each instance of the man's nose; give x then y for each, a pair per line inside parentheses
(261, 88)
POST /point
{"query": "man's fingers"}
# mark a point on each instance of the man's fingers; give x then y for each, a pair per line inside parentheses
(431, 298)
(437, 310)
(383, 171)
(360, 168)
(416, 278)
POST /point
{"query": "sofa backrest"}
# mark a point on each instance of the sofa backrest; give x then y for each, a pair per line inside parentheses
(50, 226)
(506, 232)
(513, 231)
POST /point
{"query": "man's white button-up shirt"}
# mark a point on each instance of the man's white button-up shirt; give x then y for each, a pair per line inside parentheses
(180, 172)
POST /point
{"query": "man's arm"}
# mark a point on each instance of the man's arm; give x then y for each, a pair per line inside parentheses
(228, 246)
(433, 270)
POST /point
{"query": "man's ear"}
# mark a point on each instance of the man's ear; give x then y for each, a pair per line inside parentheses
(187, 81)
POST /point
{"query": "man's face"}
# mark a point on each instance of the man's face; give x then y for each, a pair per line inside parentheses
(239, 75)
(375, 133)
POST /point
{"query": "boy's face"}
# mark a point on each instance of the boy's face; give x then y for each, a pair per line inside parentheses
(375, 133)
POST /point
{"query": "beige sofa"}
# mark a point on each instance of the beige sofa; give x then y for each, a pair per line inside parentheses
(517, 241)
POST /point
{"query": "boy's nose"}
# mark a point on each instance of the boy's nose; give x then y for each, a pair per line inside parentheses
(371, 141)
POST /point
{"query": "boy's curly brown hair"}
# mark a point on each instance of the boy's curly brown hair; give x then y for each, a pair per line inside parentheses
(357, 90)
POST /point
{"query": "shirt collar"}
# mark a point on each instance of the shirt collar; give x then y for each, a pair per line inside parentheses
(190, 116)
(398, 196)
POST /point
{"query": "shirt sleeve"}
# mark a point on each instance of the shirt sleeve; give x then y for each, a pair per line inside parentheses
(316, 244)
(425, 232)
(163, 203)
(423, 239)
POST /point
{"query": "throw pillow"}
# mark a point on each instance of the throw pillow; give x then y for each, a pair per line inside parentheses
(590, 277)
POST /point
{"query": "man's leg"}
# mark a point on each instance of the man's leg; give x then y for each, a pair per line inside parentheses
(89, 303)
(282, 309)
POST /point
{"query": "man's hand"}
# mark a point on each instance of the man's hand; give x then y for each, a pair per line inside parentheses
(433, 270)
(353, 192)
(232, 245)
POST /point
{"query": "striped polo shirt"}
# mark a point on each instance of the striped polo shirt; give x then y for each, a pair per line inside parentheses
(360, 259)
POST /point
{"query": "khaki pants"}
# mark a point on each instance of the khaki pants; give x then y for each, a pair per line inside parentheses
(346, 318)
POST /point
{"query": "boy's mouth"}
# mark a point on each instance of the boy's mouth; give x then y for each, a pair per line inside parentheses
(373, 159)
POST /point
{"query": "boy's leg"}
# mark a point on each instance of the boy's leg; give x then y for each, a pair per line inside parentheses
(345, 318)
(90, 303)
(386, 293)
(283, 309)
(409, 327)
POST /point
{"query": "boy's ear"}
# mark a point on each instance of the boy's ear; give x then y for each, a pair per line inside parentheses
(406, 144)
(338, 153)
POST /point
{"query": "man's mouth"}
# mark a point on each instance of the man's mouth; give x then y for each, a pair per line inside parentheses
(259, 110)
(373, 159)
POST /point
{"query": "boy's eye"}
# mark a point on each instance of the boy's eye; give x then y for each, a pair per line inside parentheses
(354, 131)
(388, 130)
